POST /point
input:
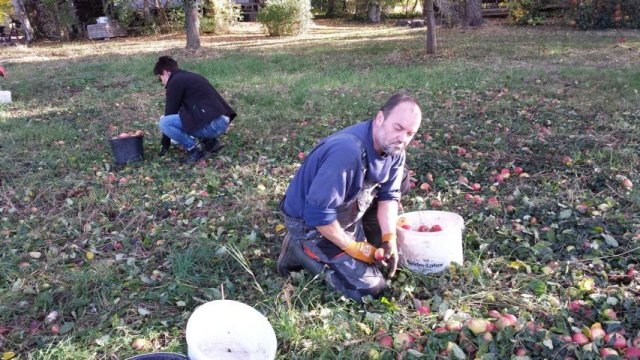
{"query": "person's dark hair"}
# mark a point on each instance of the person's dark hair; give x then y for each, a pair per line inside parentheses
(396, 100)
(165, 63)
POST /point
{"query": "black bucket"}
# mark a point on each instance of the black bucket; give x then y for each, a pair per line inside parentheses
(159, 356)
(127, 150)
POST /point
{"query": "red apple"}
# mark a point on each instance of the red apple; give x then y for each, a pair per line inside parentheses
(123, 135)
(616, 340)
(423, 310)
(491, 327)
(476, 187)
(580, 338)
(609, 314)
(406, 227)
(576, 305)
(495, 314)
(301, 155)
(632, 272)
(440, 330)
(518, 170)
(454, 325)
(435, 203)
(379, 254)
(513, 320)
(55, 329)
(425, 187)
(604, 352)
(477, 325)
(402, 341)
(386, 341)
(423, 228)
(632, 353)
(627, 184)
(493, 203)
(597, 332)
(435, 228)
(468, 197)
(521, 352)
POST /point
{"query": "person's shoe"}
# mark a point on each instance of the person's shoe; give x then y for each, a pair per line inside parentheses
(293, 258)
(194, 155)
(211, 146)
(287, 261)
(163, 151)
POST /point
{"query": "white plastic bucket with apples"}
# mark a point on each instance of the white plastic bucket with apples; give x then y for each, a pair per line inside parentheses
(426, 251)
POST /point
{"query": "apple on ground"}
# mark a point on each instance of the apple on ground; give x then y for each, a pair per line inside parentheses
(476, 187)
(454, 325)
(402, 341)
(423, 310)
(616, 340)
(386, 341)
(477, 325)
(609, 314)
(604, 352)
(139, 344)
(597, 332)
(632, 353)
(579, 338)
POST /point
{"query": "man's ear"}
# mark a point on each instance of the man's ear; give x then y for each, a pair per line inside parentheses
(379, 119)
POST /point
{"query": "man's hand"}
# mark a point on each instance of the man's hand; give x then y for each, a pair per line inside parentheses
(361, 250)
(390, 246)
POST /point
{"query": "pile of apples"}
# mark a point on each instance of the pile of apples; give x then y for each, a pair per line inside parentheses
(402, 222)
(125, 135)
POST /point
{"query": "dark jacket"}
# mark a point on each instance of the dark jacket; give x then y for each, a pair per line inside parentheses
(195, 99)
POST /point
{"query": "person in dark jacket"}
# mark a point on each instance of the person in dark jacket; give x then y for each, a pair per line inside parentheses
(193, 110)
(342, 204)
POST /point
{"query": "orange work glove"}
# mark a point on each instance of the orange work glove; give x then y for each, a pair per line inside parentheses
(390, 246)
(362, 251)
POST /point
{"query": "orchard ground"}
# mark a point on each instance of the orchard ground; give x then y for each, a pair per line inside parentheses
(95, 259)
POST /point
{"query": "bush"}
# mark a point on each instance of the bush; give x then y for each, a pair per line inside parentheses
(526, 12)
(219, 16)
(603, 14)
(285, 17)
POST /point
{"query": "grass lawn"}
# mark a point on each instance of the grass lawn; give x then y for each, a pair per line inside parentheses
(125, 254)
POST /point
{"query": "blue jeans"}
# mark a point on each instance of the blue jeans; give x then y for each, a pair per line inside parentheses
(171, 125)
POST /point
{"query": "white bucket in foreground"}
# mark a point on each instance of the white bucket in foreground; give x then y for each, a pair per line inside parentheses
(430, 252)
(226, 330)
(5, 97)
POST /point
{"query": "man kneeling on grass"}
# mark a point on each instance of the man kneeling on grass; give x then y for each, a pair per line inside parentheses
(193, 110)
(343, 202)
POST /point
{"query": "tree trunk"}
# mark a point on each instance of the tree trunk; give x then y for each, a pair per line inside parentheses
(192, 24)
(474, 13)
(432, 46)
(331, 8)
(147, 14)
(27, 30)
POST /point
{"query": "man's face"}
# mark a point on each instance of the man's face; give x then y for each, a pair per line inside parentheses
(393, 134)
(164, 77)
